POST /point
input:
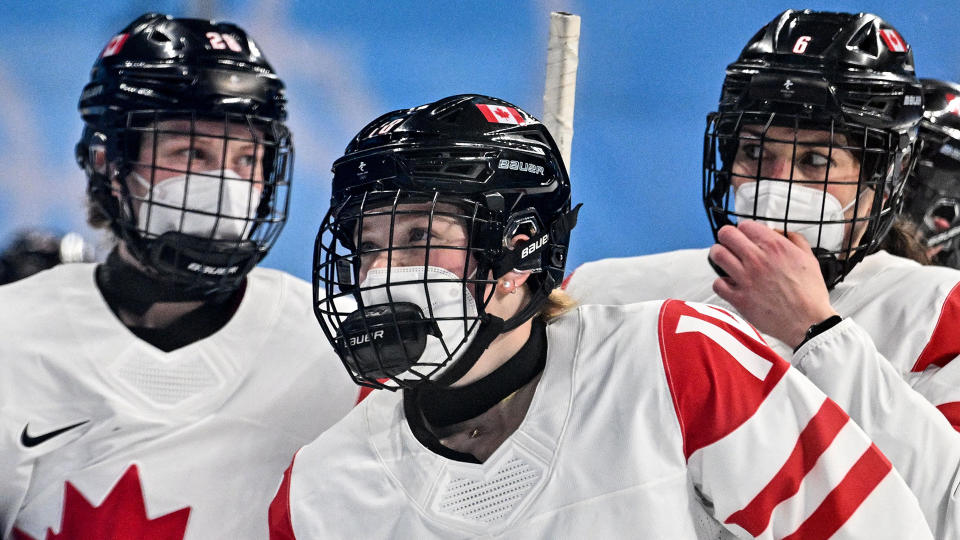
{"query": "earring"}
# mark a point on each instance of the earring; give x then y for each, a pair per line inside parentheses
(508, 285)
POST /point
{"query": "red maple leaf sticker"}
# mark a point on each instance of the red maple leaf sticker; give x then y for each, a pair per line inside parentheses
(123, 514)
(502, 113)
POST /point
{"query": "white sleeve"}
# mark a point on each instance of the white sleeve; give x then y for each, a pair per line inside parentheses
(844, 363)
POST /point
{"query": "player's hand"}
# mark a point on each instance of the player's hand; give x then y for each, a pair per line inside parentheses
(773, 281)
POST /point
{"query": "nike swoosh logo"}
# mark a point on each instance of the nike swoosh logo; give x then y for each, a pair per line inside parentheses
(29, 442)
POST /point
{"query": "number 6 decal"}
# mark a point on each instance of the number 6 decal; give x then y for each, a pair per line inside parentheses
(801, 45)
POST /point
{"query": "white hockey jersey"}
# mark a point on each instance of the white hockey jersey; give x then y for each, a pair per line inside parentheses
(901, 330)
(103, 436)
(665, 420)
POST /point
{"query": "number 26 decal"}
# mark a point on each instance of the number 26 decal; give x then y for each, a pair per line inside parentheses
(223, 41)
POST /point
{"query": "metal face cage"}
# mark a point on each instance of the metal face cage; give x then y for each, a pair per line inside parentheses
(202, 198)
(422, 245)
(741, 147)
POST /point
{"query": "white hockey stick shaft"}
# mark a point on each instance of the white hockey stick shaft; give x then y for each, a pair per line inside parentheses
(561, 81)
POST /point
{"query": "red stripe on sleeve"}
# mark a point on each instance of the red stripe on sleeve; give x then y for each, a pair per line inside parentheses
(944, 344)
(488, 114)
(814, 440)
(846, 498)
(713, 393)
(278, 516)
(952, 412)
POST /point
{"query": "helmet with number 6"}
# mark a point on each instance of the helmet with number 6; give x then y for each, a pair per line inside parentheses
(814, 133)
(186, 153)
(429, 203)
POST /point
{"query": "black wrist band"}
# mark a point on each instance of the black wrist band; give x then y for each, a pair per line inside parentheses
(819, 328)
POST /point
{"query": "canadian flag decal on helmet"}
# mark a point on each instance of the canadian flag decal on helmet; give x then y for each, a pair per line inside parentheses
(893, 40)
(500, 114)
(114, 45)
(953, 104)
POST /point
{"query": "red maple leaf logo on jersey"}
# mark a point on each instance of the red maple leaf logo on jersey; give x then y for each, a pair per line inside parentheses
(123, 514)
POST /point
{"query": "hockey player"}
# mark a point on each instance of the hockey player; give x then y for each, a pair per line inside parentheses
(932, 192)
(162, 393)
(813, 137)
(519, 417)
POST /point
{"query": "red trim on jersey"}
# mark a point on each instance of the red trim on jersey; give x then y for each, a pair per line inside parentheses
(952, 412)
(566, 280)
(278, 516)
(363, 393)
(944, 344)
(366, 390)
(865, 475)
(814, 440)
(713, 393)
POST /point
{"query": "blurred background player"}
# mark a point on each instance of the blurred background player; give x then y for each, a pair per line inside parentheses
(932, 193)
(154, 395)
(519, 418)
(33, 250)
(807, 155)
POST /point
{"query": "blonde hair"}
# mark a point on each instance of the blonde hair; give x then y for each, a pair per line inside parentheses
(558, 303)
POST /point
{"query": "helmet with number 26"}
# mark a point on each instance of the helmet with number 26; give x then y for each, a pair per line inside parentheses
(186, 153)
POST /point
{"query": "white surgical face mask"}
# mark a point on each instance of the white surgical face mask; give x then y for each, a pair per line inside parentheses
(185, 195)
(449, 302)
(805, 206)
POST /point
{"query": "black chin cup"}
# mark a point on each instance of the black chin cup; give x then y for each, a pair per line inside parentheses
(384, 340)
(201, 263)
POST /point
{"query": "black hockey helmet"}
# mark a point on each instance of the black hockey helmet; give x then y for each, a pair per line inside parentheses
(932, 193)
(850, 75)
(161, 78)
(485, 164)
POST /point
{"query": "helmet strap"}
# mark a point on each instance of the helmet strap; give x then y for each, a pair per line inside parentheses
(490, 328)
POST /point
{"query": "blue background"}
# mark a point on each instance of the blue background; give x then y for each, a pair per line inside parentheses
(649, 73)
